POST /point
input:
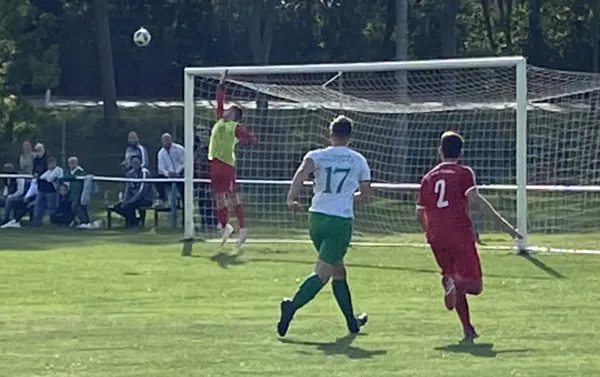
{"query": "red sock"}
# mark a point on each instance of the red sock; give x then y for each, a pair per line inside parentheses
(239, 213)
(462, 309)
(223, 216)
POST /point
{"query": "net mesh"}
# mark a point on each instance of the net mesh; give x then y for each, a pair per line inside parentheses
(399, 117)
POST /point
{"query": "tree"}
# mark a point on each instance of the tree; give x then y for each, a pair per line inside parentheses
(535, 39)
(448, 28)
(261, 23)
(487, 21)
(505, 10)
(402, 46)
(28, 63)
(105, 59)
(595, 35)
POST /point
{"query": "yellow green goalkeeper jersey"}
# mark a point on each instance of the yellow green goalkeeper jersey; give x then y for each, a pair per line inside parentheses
(222, 142)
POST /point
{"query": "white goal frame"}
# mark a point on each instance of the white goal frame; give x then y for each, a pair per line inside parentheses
(518, 62)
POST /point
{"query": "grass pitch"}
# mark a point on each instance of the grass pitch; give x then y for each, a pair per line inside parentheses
(114, 305)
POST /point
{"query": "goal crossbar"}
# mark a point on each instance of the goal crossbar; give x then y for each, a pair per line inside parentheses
(492, 62)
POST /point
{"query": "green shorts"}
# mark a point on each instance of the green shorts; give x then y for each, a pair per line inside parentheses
(330, 235)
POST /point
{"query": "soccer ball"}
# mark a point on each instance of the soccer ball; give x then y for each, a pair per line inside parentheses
(142, 37)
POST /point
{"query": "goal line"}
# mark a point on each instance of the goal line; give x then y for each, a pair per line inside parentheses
(534, 249)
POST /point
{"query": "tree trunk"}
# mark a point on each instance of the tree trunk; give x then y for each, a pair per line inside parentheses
(448, 28)
(508, 25)
(487, 21)
(400, 139)
(535, 39)
(448, 36)
(109, 92)
(401, 8)
(595, 32)
(505, 13)
(390, 25)
(262, 22)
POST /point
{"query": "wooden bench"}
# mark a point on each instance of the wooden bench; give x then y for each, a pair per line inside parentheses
(141, 211)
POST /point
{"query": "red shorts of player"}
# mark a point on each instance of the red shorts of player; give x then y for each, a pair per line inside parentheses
(456, 255)
(222, 177)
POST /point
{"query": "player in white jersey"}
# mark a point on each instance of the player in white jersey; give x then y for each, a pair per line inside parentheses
(341, 178)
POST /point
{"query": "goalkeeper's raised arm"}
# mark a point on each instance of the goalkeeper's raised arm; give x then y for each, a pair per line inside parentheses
(225, 134)
(234, 113)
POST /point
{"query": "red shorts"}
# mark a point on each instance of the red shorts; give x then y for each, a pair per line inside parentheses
(456, 255)
(222, 177)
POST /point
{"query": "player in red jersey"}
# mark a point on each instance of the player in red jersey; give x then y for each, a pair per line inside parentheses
(225, 134)
(447, 191)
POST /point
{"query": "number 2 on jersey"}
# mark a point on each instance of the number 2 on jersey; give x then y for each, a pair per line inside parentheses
(333, 172)
(440, 190)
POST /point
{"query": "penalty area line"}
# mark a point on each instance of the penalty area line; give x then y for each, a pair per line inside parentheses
(535, 249)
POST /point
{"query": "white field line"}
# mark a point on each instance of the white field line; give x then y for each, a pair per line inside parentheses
(535, 249)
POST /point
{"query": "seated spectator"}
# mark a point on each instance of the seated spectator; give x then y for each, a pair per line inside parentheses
(76, 191)
(14, 190)
(26, 159)
(137, 194)
(10, 185)
(47, 196)
(171, 159)
(135, 149)
(23, 206)
(63, 214)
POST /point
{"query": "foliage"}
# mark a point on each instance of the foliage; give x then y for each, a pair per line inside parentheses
(52, 44)
(38, 41)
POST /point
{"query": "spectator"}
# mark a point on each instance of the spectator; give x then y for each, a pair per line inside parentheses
(22, 207)
(63, 214)
(14, 189)
(171, 159)
(134, 149)
(9, 184)
(205, 203)
(47, 187)
(26, 159)
(40, 161)
(137, 194)
(75, 186)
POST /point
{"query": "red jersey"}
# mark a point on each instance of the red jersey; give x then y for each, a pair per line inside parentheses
(443, 197)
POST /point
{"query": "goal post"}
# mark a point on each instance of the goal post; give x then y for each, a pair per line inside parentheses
(323, 86)
(188, 169)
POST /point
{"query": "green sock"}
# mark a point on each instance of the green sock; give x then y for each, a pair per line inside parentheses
(341, 291)
(307, 291)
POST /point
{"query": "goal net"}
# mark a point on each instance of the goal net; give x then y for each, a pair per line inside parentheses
(522, 125)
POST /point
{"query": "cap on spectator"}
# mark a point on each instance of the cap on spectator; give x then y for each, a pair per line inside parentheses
(39, 147)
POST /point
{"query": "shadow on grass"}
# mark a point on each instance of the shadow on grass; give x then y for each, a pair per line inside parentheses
(478, 349)
(342, 346)
(225, 260)
(249, 259)
(542, 266)
(52, 238)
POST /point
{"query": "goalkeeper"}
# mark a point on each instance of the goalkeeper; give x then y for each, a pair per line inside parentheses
(225, 134)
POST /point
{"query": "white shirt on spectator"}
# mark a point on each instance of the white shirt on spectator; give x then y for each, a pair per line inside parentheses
(53, 175)
(171, 160)
(32, 190)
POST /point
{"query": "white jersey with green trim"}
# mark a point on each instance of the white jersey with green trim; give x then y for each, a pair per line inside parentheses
(338, 171)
